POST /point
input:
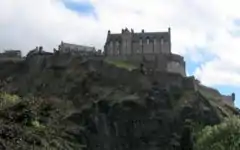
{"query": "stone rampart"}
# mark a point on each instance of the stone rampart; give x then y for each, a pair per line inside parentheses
(135, 79)
(213, 93)
(169, 63)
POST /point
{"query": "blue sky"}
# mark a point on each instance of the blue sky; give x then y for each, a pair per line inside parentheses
(82, 7)
(206, 33)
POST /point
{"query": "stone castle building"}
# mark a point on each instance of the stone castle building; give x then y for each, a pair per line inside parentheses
(76, 49)
(153, 49)
(11, 53)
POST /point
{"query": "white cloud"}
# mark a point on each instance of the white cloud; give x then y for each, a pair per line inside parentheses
(195, 23)
(43, 22)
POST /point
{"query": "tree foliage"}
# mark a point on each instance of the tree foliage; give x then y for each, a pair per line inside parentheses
(224, 136)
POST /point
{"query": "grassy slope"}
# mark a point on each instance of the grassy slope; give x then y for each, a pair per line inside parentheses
(121, 64)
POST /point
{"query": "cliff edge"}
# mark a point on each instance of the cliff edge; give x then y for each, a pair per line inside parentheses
(66, 102)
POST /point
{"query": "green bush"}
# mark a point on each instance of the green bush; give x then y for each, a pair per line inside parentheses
(224, 136)
(7, 100)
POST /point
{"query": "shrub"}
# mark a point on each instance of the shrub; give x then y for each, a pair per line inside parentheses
(224, 136)
(37, 125)
(7, 100)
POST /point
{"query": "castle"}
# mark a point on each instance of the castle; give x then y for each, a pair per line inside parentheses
(153, 49)
(76, 49)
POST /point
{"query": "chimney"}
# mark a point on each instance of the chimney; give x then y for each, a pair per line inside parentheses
(132, 31)
(109, 32)
(233, 97)
(170, 40)
(122, 30)
(169, 32)
(142, 30)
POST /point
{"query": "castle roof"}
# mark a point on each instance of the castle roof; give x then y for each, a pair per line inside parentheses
(151, 35)
(137, 36)
(77, 46)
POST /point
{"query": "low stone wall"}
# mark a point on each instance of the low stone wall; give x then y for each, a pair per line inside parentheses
(208, 90)
(228, 99)
(135, 79)
(189, 83)
(211, 92)
(176, 67)
(165, 79)
(162, 62)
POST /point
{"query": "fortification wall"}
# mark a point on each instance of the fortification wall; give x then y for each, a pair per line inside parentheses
(176, 67)
(209, 91)
(112, 75)
(166, 79)
(135, 79)
(170, 63)
(189, 83)
(228, 99)
(213, 93)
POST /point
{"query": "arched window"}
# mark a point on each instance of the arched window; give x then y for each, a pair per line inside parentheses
(177, 64)
(138, 51)
(111, 44)
(154, 41)
(140, 41)
(148, 41)
(162, 40)
(117, 43)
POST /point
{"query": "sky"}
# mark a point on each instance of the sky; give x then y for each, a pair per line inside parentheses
(206, 33)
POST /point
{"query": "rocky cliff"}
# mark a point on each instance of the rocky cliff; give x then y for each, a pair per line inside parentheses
(95, 105)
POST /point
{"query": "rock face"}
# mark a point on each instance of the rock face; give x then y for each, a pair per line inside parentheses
(127, 112)
(152, 124)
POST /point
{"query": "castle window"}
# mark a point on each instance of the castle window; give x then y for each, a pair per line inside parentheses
(155, 41)
(125, 44)
(111, 44)
(117, 51)
(140, 42)
(162, 41)
(117, 43)
(148, 41)
(68, 49)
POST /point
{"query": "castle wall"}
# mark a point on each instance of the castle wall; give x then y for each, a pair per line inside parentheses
(137, 48)
(137, 80)
(165, 48)
(157, 47)
(228, 99)
(147, 48)
(166, 79)
(211, 92)
(154, 53)
(176, 67)
(173, 64)
(126, 46)
(189, 83)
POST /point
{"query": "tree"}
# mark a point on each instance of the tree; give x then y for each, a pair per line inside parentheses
(224, 136)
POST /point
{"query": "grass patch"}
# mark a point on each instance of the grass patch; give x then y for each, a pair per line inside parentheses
(7, 100)
(36, 124)
(121, 64)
